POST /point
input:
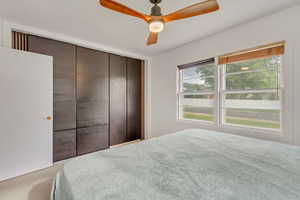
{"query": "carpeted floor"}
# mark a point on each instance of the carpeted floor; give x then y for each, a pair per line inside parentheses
(33, 186)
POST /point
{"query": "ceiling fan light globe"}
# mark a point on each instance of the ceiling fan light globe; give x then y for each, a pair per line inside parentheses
(156, 26)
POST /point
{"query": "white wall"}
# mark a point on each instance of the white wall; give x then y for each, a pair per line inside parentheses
(274, 28)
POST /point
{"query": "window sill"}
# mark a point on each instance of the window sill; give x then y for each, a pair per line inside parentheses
(263, 133)
(249, 129)
(199, 122)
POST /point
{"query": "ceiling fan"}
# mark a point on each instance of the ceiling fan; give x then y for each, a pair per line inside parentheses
(156, 20)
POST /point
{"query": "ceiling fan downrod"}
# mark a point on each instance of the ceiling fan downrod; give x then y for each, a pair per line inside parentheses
(155, 1)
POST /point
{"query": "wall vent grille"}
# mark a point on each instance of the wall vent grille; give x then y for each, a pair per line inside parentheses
(19, 41)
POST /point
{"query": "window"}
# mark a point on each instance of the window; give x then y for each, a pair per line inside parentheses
(243, 89)
(251, 93)
(197, 91)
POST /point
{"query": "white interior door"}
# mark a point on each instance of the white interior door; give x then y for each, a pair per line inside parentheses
(25, 107)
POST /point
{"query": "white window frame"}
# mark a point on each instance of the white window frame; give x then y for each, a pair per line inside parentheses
(223, 93)
(180, 93)
(219, 95)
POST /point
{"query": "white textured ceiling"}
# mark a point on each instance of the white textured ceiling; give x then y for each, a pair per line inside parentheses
(86, 20)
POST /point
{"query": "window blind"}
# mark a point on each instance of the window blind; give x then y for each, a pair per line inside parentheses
(274, 49)
(201, 62)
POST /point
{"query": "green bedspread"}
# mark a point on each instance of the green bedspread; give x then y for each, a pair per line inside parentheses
(189, 165)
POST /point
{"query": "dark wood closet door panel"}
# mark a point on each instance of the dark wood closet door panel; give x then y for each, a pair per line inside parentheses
(64, 82)
(92, 87)
(64, 145)
(117, 100)
(92, 113)
(64, 115)
(64, 78)
(92, 74)
(63, 65)
(133, 99)
(92, 139)
(63, 53)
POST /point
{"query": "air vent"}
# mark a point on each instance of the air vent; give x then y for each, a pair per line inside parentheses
(19, 41)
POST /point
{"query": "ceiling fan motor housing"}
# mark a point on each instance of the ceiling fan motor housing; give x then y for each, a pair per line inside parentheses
(156, 10)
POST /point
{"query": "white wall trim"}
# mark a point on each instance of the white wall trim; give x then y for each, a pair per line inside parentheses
(1, 33)
(147, 97)
(296, 93)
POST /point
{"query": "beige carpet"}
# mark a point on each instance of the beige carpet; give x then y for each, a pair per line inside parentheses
(33, 186)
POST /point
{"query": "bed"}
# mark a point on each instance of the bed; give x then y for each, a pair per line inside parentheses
(188, 165)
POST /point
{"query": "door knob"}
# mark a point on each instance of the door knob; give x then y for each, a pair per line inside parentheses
(49, 118)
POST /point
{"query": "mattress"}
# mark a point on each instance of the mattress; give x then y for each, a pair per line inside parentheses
(189, 165)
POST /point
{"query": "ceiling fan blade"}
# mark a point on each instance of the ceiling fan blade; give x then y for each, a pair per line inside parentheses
(123, 9)
(194, 10)
(152, 38)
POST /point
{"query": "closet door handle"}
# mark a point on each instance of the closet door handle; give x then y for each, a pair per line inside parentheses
(49, 118)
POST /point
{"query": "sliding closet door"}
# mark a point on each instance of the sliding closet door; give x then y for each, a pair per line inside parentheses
(133, 99)
(118, 100)
(64, 98)
(92, 100)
